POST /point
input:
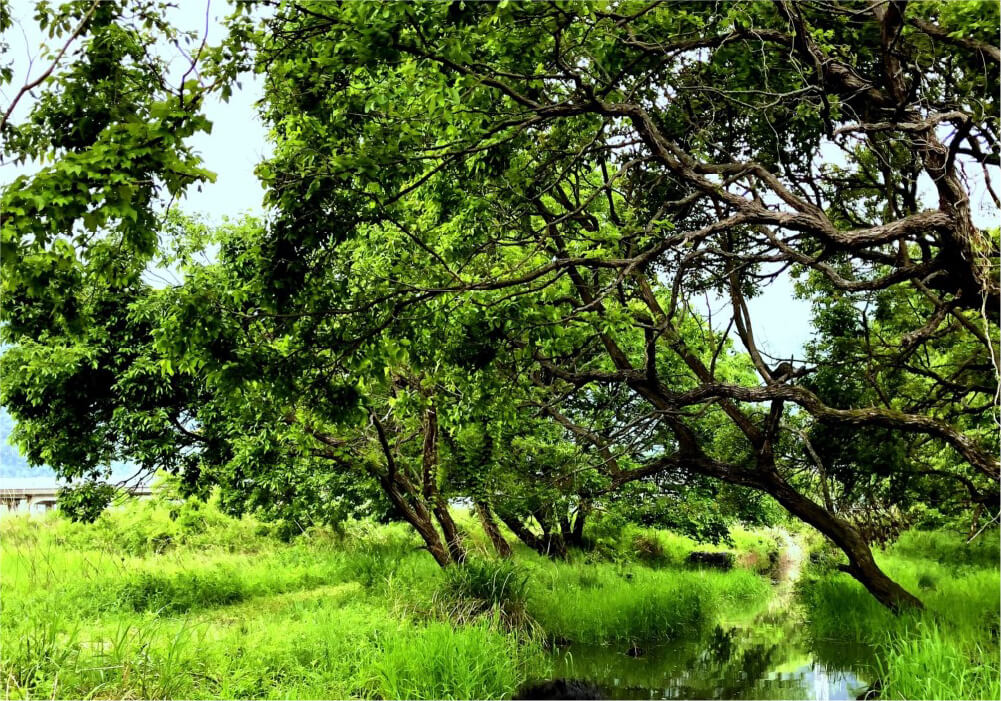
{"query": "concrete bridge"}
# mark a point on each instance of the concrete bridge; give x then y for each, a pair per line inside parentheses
(29, 496)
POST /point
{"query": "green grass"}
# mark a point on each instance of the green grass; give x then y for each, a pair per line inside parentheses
(595, 603)
(143, 605)
(948, 650)
(85, 617)
(153, 601)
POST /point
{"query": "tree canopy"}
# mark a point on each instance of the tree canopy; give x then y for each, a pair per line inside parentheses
(488, 225)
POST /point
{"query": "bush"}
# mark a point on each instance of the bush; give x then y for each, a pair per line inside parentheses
(483, 587)
(649, 549)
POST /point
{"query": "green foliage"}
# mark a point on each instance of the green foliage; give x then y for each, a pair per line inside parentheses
(487, 230)
(86, 502)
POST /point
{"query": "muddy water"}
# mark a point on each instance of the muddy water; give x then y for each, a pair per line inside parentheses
(767, 653)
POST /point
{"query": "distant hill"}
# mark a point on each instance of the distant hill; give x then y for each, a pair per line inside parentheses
(12, 463)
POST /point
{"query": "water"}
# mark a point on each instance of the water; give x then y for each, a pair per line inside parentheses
(766, 653)
(758, 661)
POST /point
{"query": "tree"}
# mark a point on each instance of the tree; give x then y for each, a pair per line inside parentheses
(470, 197)
(584, 171)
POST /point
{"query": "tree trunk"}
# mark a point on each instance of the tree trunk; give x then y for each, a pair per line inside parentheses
(552, 538)
(554, 545)
(417, 516)
(863, 567)
(453, 537)
(521, 530)
(490, 527)
(577, 534)
(429, 488)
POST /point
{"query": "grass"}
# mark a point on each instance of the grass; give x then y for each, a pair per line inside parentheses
(596, 603)
(159, 601)
(156, 601)
(948, 650)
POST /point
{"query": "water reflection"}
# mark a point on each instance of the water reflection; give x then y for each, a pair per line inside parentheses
(759, 659)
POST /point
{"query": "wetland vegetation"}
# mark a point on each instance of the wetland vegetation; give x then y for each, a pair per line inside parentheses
(142, 605)
(611, 347)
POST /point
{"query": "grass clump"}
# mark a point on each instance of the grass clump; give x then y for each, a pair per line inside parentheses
(927, 662)
(479, 589)
(148, 591)
(442, 662)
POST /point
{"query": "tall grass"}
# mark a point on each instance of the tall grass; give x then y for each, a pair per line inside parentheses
(442, 662)
(159, 601)
(203, 619)
(603, 603)
(948, 650)
(929, 662)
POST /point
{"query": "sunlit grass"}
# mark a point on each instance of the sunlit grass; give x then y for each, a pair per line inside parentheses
(603, 603)
(141, 605)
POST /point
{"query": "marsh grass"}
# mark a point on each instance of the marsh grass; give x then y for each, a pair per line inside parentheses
(142, 605)
(605, 603)
(93, 612)
(948, 650)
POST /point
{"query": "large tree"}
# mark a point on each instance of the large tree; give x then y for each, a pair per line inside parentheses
(530, 196)
(578, 171)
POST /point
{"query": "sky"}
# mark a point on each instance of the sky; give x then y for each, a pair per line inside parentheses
(238, 140)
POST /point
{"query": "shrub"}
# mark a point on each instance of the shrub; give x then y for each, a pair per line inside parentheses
(649, 549)
(483, 586)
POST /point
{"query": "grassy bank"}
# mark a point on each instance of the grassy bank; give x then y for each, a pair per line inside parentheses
(950, 649)
(158, 601)
(191, 604)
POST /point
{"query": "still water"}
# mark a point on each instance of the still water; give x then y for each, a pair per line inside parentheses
(767, 653)
(758, 661)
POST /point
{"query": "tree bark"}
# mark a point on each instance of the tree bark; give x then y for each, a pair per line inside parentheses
(576, 537)
(490, 527)
(453, 536)
(418, 517)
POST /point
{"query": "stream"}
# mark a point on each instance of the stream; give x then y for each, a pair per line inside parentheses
(766, 653)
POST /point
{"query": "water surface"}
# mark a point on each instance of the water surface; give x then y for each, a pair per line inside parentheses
(764, 653)
(748, 661)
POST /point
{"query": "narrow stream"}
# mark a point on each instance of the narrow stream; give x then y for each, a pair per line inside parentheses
(763, 654)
